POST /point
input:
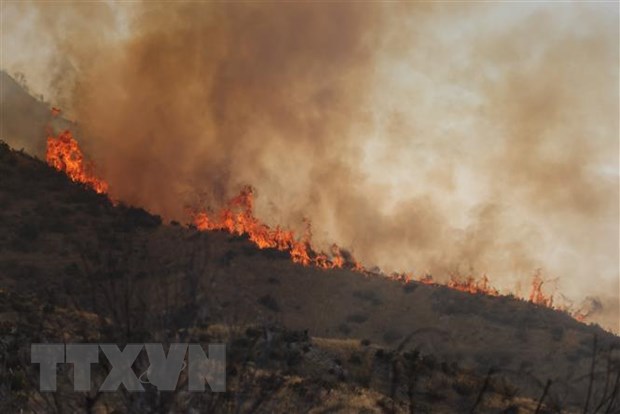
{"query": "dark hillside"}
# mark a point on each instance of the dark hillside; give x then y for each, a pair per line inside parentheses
(74, 267)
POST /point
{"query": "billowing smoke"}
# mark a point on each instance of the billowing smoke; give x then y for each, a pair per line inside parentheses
(456, 138)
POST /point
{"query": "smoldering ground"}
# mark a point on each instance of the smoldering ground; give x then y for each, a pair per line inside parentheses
(455, 138)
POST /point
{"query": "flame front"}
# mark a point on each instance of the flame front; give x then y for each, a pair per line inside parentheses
(472, 285)
(64, 154)
(237, 217)
(537, 295)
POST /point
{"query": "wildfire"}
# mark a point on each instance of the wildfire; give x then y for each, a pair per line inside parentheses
(472, 285)
(537, 295)
(237, 217)
(427, 279)
(64, 154)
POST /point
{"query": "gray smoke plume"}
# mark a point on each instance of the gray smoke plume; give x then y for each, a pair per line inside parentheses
(455, 138)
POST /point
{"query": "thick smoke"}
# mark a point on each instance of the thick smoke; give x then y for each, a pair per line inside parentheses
(454, 139)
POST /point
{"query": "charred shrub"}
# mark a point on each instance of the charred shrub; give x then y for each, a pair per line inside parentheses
(139, 217)
(234, 238)
(448, 302)
(72, 270)
(464, 387)
(497, 357)
(557, 333)
(227, 258)
(5, 151)
(271, 253)
(391, 335)
(436, 389)
(57, 222)
(269, 302)
(293, 357)
(410, 287)
(253, 332)
(357, 318)
(505, 389)
(28, 231)
(370, 296)
(521, 334)
(290, 336)
(355, 359)
(273, 280)
(344, 328)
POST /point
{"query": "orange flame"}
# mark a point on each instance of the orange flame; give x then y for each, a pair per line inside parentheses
(64, 154)
(471, 285)
(537, 295)
(238, 218)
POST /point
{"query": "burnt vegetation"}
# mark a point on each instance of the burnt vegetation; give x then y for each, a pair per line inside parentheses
(76, 267)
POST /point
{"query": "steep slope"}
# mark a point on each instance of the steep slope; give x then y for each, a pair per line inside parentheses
(24, 117)
(75, 267)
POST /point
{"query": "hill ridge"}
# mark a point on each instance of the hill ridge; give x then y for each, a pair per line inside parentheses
(68, 253)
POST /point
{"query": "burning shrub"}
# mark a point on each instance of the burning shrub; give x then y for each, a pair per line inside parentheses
(64, 154)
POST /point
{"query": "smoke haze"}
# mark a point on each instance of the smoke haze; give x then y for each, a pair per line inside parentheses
(455, 138)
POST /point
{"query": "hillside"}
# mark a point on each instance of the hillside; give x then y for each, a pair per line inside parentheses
(24, 117)
(74, 267)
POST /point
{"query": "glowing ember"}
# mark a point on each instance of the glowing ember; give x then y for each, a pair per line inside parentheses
(64, 154)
